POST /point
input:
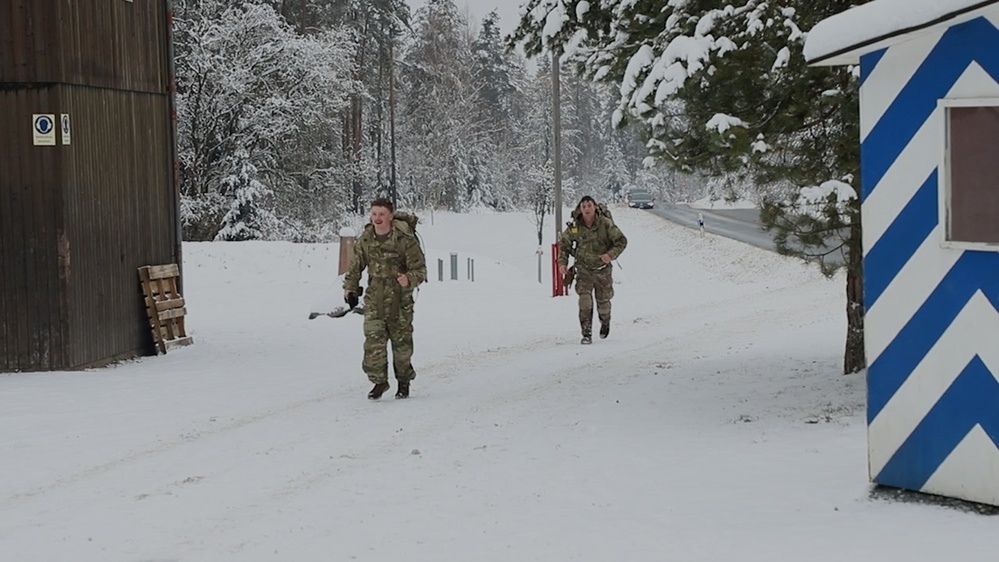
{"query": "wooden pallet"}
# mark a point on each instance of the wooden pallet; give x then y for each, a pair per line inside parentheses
(164, 306)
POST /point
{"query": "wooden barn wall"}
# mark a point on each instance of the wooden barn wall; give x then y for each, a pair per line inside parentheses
(120, 214)
(77, 220)
(33, 331)
(102, 43)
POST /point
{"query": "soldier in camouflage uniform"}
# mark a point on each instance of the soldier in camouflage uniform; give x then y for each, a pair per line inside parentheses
(594, 240)
(389, 250)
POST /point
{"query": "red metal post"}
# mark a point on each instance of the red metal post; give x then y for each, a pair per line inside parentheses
(558, 290)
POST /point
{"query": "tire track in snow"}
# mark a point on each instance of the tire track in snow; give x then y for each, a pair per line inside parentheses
(444, 369)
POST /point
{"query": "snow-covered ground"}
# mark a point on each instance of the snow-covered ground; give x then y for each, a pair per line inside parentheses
(713, 424)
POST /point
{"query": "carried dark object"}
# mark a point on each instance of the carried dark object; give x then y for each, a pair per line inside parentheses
(403, 391)
(354, 305)
(353, 298)
(338, 312)
(378, 390)
(569, 277)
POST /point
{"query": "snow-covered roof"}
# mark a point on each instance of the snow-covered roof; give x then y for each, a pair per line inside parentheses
(843, 38)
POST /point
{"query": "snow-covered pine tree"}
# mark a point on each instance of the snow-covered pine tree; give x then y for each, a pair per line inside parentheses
(253, 95)
(493, 75)
(366, 130)
(245, 218)
(437, 108)
(584, 136)
(614, 176)
(748, 105)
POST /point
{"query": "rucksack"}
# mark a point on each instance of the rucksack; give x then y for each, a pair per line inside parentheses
(602, 211)
(410, 219)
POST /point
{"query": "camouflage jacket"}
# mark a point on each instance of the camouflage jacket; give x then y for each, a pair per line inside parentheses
(588, 243)
(386, 257)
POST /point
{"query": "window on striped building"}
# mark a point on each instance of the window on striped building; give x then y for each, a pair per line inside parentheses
(972, 171)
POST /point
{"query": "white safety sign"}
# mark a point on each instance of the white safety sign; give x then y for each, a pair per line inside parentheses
(43, 127)
(64, 126)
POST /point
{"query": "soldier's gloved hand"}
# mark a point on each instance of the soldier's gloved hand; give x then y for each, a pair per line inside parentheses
(350, 297)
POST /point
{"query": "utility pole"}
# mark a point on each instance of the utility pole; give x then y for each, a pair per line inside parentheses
(557, 144)
(394, 186)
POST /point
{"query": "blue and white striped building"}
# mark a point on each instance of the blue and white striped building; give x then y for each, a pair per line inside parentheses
(929, 106)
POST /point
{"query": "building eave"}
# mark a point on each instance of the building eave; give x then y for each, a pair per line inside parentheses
(850, 54)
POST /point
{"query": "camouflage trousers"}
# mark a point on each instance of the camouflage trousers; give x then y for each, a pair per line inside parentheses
(598, 284)
(388, 317)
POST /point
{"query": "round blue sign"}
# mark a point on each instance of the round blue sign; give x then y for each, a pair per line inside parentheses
(43, 124)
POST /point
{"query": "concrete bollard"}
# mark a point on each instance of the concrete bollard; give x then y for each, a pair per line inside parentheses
(454, 266)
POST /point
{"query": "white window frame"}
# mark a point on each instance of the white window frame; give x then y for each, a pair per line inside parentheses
(943, 175)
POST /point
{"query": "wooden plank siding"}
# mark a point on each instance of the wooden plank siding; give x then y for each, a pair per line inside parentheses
(30, 212)
(101, 43)
(116, 222)
(77, 221)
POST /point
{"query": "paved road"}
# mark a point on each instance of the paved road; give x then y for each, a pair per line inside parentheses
(738, 224)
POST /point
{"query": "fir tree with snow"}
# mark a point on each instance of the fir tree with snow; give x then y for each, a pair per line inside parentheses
(246, 218)
(725, 91)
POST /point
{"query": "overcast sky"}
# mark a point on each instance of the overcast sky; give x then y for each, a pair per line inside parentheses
(508, 10)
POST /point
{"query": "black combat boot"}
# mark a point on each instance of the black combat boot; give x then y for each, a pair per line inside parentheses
(586, 326)
(604, 329)
(378, 390)
(403, 391)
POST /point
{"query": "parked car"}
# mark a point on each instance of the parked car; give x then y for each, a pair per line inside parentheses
(640, 200)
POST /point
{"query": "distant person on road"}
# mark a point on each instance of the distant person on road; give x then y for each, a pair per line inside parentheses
(594, 241)
(700, 223)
